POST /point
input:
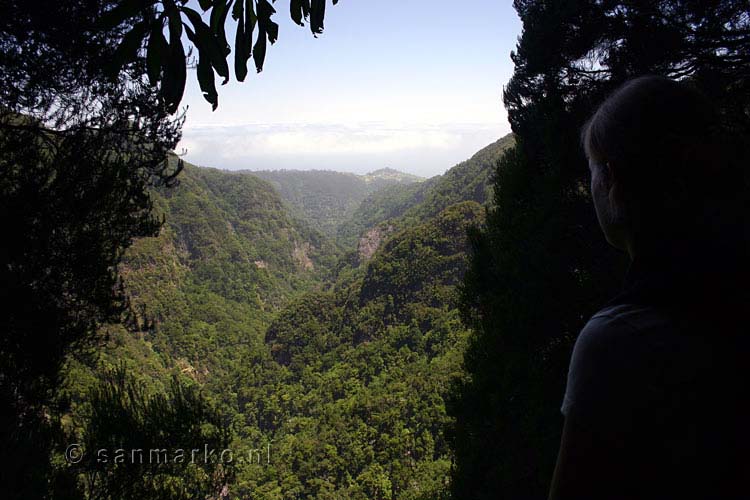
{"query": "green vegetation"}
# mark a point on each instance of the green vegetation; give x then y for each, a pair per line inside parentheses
(341, 368)
(368, 367)
(402, 205)
(327, 199)
(241, 323)
(142, 445)
(78, 150)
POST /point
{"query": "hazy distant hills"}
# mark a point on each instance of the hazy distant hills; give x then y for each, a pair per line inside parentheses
(411, 203)
(326, 198)
(345, 205)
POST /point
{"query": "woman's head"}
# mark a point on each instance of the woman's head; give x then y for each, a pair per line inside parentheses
(653, 150)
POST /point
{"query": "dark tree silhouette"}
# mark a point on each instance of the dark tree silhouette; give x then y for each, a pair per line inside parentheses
(540, 266)
(78, 150)
(138, 444)
(148, 20)
(88, 92)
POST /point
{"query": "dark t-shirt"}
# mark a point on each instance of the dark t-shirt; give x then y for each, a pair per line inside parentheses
(675, 392)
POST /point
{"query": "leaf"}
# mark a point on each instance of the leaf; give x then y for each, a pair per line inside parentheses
(251, 21)
(127, 51)
(306, 8)
(218, 21)
(205, 73)
(206, 42)
(259, 51)
(173, 86)
(317, 15)
(205, 4)
(273, 31)
(266, 29)
(238, 10)
(175, 25)
(156, 54)
(295, 8)
(250, 18)
(241, 46)
(175, 73)
(207, 83)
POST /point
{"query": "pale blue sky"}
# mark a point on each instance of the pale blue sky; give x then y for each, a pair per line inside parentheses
(409, 84)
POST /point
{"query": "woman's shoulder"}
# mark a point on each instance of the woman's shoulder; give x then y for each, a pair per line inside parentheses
(630, 318)
(617, 329)
(620, 353)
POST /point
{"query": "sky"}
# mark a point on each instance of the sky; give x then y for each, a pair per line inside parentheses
(414, 85)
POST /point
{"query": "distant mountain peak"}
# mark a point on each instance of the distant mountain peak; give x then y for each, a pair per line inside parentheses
(386, 170)
(391, 174)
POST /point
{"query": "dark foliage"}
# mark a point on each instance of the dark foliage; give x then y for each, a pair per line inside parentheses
(540, 267)
(137, 444)
(77, 151)
(147, 21)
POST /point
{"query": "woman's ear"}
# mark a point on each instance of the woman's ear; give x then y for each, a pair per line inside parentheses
(609, 173)
(615, 192)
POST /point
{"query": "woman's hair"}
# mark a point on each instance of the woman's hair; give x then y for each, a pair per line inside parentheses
(663, 144)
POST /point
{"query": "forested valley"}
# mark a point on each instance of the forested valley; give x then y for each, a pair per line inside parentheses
(332, 354)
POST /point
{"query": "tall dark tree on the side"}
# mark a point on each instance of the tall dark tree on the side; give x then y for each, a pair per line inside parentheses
(88, 95)
(540, 266)
(88, 92)
(78, 150)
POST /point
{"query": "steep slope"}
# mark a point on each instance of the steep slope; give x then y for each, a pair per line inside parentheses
(469, 180)
(204, 291)
(375, 356)
(235, 235)
(373, 362)
(383, 205)
(325, 198)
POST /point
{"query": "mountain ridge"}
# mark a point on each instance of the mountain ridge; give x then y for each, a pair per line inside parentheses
(412, 203)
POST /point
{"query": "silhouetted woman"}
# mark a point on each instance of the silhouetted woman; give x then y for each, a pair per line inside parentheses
(656, 404)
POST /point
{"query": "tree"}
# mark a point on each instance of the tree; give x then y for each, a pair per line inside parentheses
(79, 149)
(540, 267)
(88, 92)
(138, 444)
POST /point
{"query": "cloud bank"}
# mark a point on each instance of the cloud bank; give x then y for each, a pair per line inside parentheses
(419, 149)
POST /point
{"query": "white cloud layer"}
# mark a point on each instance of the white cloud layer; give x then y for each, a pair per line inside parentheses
(416, 148)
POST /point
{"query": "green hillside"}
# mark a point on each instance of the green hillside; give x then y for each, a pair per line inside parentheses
(372, 364)
(203, 291)
(341, 363)
(469, 180)
(326, 198)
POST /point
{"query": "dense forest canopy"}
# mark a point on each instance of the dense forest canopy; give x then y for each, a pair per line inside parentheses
(322, 355)
(327, 199)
